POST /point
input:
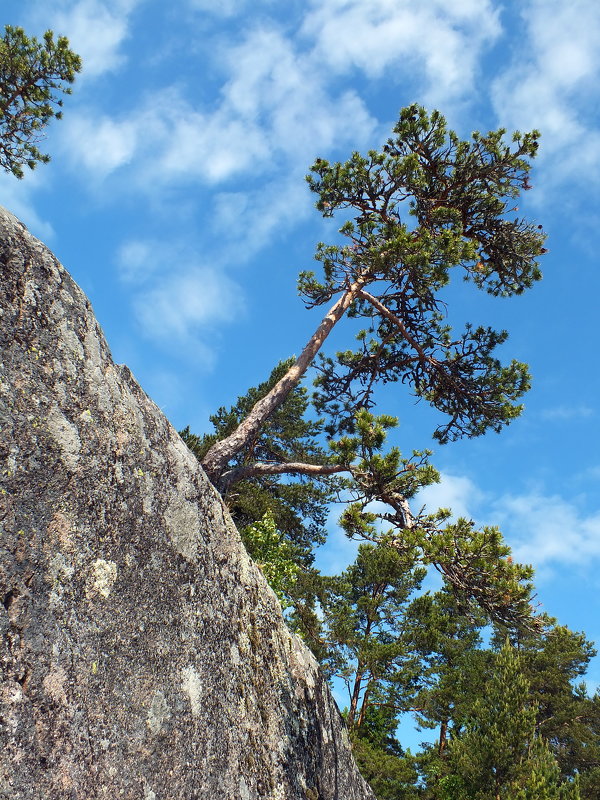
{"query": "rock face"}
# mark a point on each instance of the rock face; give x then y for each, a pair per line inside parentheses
(143, 656)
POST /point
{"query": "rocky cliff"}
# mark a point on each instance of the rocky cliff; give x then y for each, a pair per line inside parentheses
(143, 656)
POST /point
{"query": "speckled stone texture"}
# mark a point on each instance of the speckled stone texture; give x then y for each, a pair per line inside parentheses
(142, 655)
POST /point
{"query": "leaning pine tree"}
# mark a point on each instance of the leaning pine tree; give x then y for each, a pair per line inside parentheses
(427, 203)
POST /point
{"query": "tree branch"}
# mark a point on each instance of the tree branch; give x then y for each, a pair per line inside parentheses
(274, 468)
(395, 320)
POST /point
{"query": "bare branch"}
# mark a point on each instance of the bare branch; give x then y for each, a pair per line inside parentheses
(274, 468)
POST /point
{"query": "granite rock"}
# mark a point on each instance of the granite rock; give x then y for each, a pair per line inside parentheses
(142, 654)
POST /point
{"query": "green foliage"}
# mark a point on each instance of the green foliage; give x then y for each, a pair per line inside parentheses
(427, 203)
(491, 755)
(567, 718)
(275, 557)
(363, 612)
(33, 74)
(391, 777)
(476, 563)
(499, 752)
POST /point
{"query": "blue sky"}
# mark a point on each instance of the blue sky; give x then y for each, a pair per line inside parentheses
(176, 199)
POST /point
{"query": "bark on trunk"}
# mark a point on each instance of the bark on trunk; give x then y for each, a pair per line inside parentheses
(443, 738)
(288, 468)
(355, 697)
(223, 451)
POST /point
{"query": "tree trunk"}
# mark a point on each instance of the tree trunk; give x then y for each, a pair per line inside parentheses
(443, 738)
(219, 455)
(355, 696)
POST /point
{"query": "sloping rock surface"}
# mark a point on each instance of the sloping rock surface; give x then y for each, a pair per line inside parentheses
(142, 655)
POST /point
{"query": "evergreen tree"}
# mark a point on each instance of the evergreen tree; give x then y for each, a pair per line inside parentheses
(499, 755)
(33, 75)
(363, 614)
(554, 661)
(448, 644)
(381, 760)
(424, 205)
(298, 506)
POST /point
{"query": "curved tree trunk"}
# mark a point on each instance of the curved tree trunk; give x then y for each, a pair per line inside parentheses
(219, 455)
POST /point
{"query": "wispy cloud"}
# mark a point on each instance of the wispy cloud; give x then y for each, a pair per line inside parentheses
(273, 110)
(548, 529)
(456, 492)
(139, 259)
(543, 529)
(225, 8)
(178, 300)
(99, 145)
(564, 412)
(183, 309)
(552, 82)
(435, 46)
(96, 29)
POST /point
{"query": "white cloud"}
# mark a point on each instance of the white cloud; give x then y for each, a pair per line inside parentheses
(547, 529)
(225, 8)
(96, 30)
(185, 308)
(552, 85)
(258, 216)
(456, 492)
(437, 43)
(564, 412)
(99, 145)
(542, 529)
(273, 110)
(273, 113)
(138, 260)
(212, 147)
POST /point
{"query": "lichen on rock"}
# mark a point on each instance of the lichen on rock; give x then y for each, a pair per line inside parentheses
(143, 656)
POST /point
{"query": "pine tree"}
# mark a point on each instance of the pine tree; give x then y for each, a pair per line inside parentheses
(425, 205)
(363, 613)
(390, 772)
(33, 75)
(500, 755)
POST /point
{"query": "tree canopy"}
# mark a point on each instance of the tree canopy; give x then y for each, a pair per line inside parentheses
(33, 76)
(427, 203)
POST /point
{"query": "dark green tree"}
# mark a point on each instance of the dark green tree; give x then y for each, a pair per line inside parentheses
(33, 76)
(499, 754)
(447, 642)
(554, 662)
(363, 623)
(390, 771)
(456, 671)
